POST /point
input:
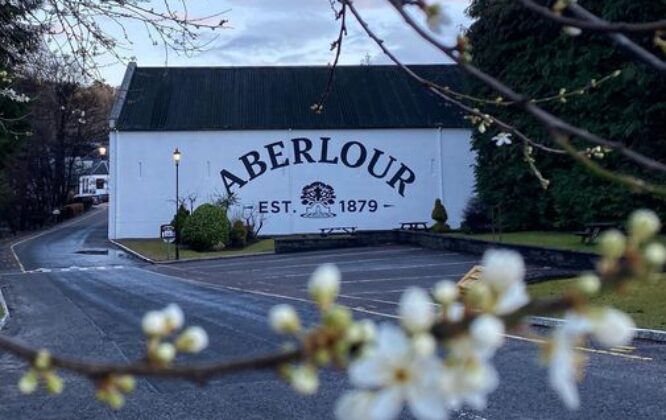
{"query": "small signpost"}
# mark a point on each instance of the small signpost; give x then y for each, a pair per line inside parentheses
(168, 235)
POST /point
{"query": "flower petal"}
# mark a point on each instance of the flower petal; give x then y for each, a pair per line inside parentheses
(354, 405)
(387, 404)
(426, 403)
(369, 371)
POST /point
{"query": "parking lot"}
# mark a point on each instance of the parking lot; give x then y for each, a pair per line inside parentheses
(373, 277)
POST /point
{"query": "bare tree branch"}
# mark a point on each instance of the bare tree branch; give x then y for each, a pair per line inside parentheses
(596, 26)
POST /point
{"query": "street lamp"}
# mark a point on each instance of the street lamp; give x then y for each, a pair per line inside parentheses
(176, 160)
(102, 151)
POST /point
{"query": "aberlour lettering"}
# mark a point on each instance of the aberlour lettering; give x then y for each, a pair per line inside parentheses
(352, 154)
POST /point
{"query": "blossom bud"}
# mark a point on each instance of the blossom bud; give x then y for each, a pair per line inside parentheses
(324, 285)
(174, 317)
(338, 317)
(125, 383)
(655, 254)
(165, 353)
(304, 379)
(487, 331)
(192, 340)
(643, 224)
(113, 398)
(572, 30)
(589, 284)
(479, 296)
(28, 382)
(43, 360)
(154, 324)
(54, 384)
(612, 327)
(284, 319)
(424, 344)
(362, 332)
(612, 244)
(445, 292)
(416, 311)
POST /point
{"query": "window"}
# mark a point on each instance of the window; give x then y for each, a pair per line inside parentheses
(99, 183)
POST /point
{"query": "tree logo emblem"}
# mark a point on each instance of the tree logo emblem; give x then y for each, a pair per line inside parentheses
(318, 199)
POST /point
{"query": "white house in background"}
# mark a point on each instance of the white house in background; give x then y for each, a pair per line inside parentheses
(379, 153)
(95, 180)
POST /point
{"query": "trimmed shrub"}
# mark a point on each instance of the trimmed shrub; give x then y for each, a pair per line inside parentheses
(238, 234)
(206, 228)
(182, 216)
(440, 217)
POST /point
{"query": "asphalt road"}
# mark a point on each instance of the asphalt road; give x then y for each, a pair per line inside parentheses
(90, 305)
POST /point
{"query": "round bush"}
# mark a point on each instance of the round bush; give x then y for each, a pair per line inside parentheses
(206, 228)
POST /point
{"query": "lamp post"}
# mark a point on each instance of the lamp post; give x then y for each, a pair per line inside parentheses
(176, 159)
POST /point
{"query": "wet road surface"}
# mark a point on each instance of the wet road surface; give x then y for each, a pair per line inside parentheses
(90, 305)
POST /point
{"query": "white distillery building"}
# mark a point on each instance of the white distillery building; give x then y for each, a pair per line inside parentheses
(379, 153)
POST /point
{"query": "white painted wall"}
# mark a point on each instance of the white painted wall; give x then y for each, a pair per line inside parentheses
(143, 176)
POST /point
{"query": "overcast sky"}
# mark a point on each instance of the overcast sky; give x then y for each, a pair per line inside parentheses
(292, 32)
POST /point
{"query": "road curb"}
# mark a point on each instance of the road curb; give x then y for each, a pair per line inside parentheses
(131, 251)
(186, 260)
(641, 333)
(3, 304)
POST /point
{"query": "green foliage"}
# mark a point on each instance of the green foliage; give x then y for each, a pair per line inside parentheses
(440, 217)
(534, 56)
(238, 234)
(180, 220)
(206, 228)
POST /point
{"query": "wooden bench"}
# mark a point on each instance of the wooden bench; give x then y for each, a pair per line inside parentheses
(342, 229)
(591, 231)
(413, 226)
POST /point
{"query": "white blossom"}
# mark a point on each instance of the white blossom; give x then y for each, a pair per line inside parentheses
(612, 244)
(416, 310)
(354, 405)
(655, 254)
(643, 224)
(424, 344)
(502, 139)
(504, 272)
(324, 285)
(399, 376)
(564, 366)
(192, 340)
(611, 327)
(284, 319)
(469, 382)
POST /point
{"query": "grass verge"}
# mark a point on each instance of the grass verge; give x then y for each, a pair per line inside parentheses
(643, 301)
(561, 240)
(156, 250)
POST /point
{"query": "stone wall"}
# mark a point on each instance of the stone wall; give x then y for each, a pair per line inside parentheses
(542, 256)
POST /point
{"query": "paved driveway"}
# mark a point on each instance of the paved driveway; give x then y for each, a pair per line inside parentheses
(90, 306)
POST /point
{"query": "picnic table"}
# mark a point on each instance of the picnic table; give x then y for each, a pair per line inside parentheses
(591, 231)
(343, 229)
(413, 225)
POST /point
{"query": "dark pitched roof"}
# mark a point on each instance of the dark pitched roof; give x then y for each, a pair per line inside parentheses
(99, 168)
(264, 98)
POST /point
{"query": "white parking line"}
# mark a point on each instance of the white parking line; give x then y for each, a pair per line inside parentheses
(454, 276)
(296, 257)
